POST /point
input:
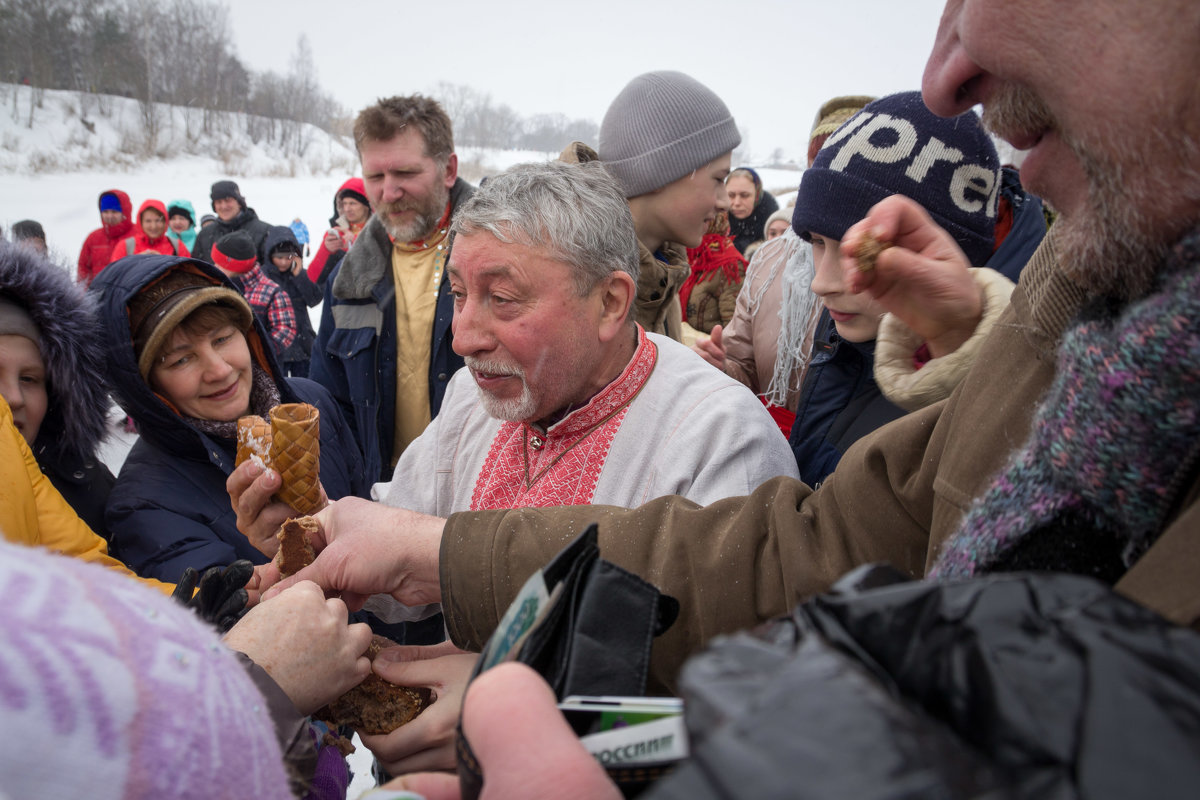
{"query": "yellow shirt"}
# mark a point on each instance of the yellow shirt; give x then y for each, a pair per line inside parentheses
(417, 274)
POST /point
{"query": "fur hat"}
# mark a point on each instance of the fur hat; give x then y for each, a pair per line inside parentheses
(662, 126)
(830, 116)
(64, 318)
(235, 252)
(160, 307)
(140, 693)
(222, 189)
(896, 145)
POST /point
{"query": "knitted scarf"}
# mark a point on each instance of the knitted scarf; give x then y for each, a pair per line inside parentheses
(1089, 490)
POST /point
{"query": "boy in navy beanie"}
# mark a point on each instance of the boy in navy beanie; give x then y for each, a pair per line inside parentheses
(895, 145)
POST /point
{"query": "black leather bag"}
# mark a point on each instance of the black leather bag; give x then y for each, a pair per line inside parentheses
(592, 636)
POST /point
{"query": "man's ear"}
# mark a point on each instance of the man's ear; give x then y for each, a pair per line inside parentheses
(451, 174)
(617, 294)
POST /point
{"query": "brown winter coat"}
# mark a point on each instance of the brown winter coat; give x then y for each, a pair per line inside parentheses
(896, 496)
(657, 306)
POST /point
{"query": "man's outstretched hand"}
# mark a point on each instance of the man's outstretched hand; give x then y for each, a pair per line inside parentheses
(366, 548)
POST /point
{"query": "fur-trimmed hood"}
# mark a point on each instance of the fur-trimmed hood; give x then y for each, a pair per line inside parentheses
(76, 416)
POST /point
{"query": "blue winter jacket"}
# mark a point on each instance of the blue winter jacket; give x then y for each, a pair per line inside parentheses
(355, 353)
(169, 509)
(839, 402)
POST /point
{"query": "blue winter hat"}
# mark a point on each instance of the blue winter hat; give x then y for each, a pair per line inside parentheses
(896, 145)
(110, 202)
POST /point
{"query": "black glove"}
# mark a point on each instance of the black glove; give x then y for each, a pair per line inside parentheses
(221, 598)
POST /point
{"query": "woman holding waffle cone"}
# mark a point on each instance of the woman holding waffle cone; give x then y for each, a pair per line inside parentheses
(186, 359)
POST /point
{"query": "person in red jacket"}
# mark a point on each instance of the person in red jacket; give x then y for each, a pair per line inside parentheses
(350, 213)
(150, 235)
(116, 212)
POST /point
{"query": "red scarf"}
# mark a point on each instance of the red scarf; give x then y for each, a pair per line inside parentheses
(716, 251)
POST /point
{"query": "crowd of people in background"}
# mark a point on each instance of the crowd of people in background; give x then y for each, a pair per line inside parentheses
(917, 361)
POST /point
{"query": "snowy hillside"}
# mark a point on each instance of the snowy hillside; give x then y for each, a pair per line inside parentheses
(81, 145)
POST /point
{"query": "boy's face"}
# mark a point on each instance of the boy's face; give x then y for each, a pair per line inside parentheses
(856, 316)
(282, 259)
(110, 217)
(684, 208)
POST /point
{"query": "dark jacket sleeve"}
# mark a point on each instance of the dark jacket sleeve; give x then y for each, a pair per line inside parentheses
(291, 728)
(325, 368)
(308, 291)
(161, 544)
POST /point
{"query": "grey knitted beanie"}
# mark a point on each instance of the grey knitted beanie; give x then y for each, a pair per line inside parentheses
(662, 126)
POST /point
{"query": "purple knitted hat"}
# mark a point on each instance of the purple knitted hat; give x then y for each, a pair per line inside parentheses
(111, 690)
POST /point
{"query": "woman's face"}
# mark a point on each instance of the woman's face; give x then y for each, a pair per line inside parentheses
(23, 383)
(179, 223)
(776, 228)
(741, 196)
(153, 223)
(205, 375)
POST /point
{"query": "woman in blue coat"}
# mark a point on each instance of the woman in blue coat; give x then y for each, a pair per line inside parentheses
(186, 358)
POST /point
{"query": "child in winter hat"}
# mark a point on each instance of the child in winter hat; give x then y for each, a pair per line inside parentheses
(667, 139)
(662, 126)
(235, 253)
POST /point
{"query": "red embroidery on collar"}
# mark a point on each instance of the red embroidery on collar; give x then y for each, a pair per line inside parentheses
(565, 468)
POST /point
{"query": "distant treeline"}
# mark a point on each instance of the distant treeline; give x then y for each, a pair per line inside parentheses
(179, 52)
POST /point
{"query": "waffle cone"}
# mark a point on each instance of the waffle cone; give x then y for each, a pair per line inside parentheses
(253, 439)
(296, 455)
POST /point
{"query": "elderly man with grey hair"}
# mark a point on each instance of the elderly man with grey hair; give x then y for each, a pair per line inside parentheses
(564, 398)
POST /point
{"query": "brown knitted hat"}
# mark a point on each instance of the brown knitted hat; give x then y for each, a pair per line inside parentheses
(830, 117)
(161, 306)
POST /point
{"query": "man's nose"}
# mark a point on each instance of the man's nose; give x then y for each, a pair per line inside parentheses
(952, 82)
(471, 334)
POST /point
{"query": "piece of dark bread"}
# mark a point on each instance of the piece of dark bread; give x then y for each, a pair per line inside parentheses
(376, 706)
(868, 251)
(295, 549)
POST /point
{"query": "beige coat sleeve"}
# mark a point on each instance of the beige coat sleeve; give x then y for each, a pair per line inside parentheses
(912, 388)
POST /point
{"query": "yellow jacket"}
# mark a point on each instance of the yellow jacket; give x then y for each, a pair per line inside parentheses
(34, 513)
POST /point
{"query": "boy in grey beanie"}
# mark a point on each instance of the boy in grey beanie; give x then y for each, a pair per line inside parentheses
(667, 139)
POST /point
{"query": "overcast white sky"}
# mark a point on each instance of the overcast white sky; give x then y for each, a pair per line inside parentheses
(773, 62)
